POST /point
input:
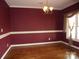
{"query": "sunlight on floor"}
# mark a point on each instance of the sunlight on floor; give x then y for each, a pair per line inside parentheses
(71, 55)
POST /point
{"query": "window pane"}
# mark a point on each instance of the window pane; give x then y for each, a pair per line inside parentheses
(72, 21)
(78, 18)
(77, 32)
(67, 33)
(78, 28)
(73, 33)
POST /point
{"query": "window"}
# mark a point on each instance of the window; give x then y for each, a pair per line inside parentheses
(72, 27)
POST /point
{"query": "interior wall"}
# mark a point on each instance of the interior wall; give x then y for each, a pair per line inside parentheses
(27, 19)
(67, 10)
(4, 23)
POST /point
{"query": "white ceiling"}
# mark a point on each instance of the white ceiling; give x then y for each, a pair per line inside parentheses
(57, 4)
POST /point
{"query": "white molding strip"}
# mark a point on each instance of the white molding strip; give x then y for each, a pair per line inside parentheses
(6, 52)
(4, 35)
(69, 45)
(30, 44)
(34, 7)
(29, 32)
(34, 32)
(14, 6)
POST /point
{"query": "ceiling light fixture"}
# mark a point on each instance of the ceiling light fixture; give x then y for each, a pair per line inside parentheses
(46, 8)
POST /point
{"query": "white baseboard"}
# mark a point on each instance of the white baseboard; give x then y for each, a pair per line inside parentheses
(69, 45)
(29, 44)
(6, 52)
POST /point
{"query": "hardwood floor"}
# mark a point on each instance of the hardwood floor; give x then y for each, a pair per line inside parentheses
(49, 51)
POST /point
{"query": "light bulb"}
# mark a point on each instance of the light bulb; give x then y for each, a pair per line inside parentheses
(45, 8)
(51, 8)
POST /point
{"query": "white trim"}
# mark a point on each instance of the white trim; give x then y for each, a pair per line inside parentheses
(34, 7)
(34, 32)
(4, 35)
(29, 32)
(30, 44)
(76, 40)
(69, 45)
(6, 52)
(13, 6)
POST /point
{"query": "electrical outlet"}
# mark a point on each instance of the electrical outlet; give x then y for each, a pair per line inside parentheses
(49, 38)
(7, 44)
(2, 30)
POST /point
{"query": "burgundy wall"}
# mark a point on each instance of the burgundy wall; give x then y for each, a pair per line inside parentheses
(3, 45)
(4, 23)
(25, 19)
(71, 9)
(34, 38)
(4, 17)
